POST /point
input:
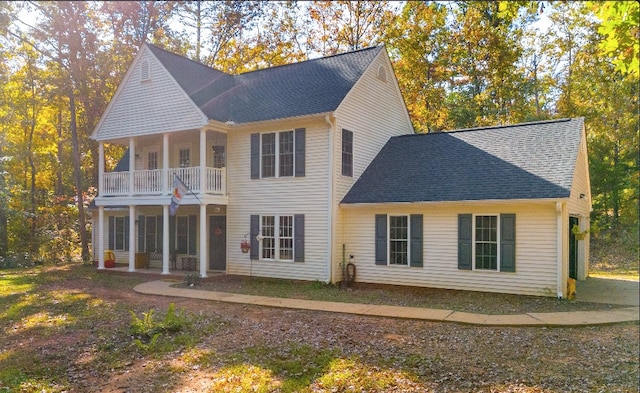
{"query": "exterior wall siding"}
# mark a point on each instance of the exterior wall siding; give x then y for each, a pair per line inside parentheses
(373, 122)
(149, 107)
(581, 207)
(535, 249)
(306, 195)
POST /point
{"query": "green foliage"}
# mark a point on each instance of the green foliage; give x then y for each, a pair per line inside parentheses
(148, 330)
(621, 29)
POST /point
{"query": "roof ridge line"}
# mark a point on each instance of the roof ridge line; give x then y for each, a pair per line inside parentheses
(563, 120)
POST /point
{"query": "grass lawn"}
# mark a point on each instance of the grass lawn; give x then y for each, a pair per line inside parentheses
(72, 329)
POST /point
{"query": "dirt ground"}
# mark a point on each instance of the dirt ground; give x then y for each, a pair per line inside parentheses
(421, 356)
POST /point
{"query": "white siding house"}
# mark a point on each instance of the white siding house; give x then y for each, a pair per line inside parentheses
(302, 161)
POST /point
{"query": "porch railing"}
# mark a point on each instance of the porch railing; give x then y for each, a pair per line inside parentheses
(149, 182)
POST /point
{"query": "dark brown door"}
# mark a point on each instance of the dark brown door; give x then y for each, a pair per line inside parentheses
(218, 243)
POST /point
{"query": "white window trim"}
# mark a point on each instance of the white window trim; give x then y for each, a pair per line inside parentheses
(473, 242)
(153, 149)
(276, 237)
(353, 143)
(408, 240)
(277, 155)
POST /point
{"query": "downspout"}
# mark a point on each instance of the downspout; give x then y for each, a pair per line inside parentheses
(559, 251)
(330, 121)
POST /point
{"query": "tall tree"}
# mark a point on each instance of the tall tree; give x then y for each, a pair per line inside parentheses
(338, 26)
(418, 40)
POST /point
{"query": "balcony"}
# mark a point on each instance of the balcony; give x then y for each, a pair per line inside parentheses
(150, 182)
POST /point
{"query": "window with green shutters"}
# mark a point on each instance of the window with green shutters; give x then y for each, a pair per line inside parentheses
(399, 240)
(277, 238)
(278, 154)
(487, 242)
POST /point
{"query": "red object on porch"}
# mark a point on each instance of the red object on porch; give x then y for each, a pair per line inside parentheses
(109, 259)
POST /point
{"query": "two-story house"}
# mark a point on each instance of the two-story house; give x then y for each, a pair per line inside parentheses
(312, 164)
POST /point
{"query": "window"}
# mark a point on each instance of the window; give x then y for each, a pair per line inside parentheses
(286, 153)
(184, 158)
(268, 155)
(218, 157)
(278, 154)
(121, 235)
(267, 230)
(347, 153)
(398, 240)
(151, 234)
(186, 234)
(152, 160)
(382, 74)
(118, 233)
(487, 242)
(277, 238)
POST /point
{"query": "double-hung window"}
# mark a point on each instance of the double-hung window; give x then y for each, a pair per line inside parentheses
(278, 154)
(119, 233)
(399, 240)
(487, 242)
(185, 233)
(347, 153)
(277, 237)
(151, 233)
(152, 162)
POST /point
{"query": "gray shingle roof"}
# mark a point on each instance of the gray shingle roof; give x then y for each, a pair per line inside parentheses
(520, 161)
(298, 89)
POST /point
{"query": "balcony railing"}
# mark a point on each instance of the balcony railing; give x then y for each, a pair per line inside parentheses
(149, 182)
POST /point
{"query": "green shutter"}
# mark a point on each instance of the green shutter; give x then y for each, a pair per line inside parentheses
(193, 234)
(159, 232)
(298, 237)
(416, 240)
(253, 233)
(172, 233)
(112, 233)
(255, 156)
(381, 239)
(465, 239)
(507, 242)
(299, 151)
(141, 233)
(126, 233)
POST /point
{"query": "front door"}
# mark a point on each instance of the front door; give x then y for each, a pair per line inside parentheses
(573, 249)
(218, 243)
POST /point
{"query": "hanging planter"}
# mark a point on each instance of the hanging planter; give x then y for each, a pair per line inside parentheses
(579, 235)
(245, 246)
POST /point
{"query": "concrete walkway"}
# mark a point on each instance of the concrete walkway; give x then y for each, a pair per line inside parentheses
(578, 318)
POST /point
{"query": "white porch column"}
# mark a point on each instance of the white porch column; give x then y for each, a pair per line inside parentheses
(132, 238)
(100, 241)
(166, 183)
(100, 167)
(203, 161)
(132, 164)
(165, 239)
(204, 248)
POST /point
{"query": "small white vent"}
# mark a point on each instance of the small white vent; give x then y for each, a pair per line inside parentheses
(145, 71)
(382, 73)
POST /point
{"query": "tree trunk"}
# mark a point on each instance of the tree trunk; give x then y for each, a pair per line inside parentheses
(4, 239)
(60, 157)
(77, 174)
